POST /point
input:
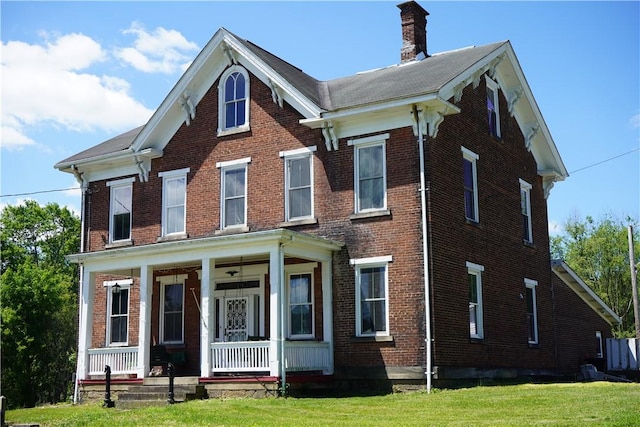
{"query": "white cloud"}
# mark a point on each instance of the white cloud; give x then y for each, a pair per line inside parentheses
(635, 121)
(47, 84)
(160, 51)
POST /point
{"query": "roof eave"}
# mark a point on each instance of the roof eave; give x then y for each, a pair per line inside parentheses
(577, 285)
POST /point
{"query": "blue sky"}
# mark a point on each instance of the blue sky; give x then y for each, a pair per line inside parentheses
(77, 73)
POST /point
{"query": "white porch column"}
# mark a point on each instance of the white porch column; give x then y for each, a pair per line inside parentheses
(206, 319)
(86, 323)
(274, 310)
(144, 330)
(327, 311)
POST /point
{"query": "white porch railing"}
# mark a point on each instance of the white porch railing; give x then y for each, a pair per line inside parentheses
(241, 356)
(306, 356)
(253, 356)
(121, 360)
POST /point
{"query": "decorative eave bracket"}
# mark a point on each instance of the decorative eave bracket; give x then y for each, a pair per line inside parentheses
(276, 93)
(144, 166)
(493, 65)
(229, 53)
(427, 120)
(330, 139)
(549, 178)
(188, 107)
(513, 97)
(534, 128)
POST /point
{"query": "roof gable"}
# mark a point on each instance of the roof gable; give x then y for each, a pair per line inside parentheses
(367, 102)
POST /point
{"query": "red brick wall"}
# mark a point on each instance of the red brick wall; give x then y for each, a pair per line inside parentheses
(576, 326)
(495, 243)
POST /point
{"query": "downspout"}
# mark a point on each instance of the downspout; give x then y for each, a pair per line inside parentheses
(83, 187)
(419, 126)
(283, 332)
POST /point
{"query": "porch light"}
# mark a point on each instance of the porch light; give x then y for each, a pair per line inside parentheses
(232, 272)
(115, 289)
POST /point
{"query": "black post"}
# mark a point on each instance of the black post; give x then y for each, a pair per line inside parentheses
(108, 403)
(171, 372)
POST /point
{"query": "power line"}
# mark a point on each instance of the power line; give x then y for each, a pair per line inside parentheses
(77, 188)
(39, 192)
(607, 160)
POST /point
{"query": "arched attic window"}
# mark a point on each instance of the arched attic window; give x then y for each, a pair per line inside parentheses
(233, 95)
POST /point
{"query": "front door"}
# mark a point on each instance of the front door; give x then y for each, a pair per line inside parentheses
(236, 319)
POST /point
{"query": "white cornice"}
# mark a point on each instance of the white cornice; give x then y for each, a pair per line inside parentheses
(178, 251)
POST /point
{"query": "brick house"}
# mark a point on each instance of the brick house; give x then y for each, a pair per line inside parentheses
(269, 224)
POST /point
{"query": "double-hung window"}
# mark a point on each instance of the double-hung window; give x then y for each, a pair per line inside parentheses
(370, 175)
(298, 183)
(174, 201)
(118, 311)
(532, 316)
(493, 111)
(470, 178)
(599, 351)
(525, 210)
(474, 278)
(233, 194)
(301, 305)
(372, 296)
(120, 209)
(172, 308)
(233, 93)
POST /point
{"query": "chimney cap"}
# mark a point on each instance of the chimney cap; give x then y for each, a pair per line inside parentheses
(410, 4)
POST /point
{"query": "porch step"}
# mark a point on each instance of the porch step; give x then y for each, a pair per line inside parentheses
(156, 395)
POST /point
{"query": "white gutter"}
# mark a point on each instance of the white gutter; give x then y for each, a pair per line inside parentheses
(83, 186)
(425, 246)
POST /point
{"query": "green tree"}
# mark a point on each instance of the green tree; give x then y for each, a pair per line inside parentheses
(38, 302)
(598, 251)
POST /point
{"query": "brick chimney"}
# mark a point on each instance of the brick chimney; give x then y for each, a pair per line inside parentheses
(414, 31)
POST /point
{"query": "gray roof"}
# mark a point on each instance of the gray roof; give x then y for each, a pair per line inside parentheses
(386, 84)
(110, 146)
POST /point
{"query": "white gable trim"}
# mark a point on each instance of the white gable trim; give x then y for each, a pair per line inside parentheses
(200, 77)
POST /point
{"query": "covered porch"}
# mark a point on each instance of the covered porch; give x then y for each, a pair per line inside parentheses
(252, 303)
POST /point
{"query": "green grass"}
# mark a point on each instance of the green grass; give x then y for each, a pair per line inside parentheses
(597, 403)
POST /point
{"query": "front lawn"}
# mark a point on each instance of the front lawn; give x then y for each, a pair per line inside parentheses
(576, 404)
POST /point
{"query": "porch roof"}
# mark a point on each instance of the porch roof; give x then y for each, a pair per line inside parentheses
(226, 242)
(575, 283)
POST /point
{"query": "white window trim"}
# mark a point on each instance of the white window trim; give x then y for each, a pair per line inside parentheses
(600, 353)
(124, 284)
(113, 185)
(526, 187)
(366, 142)
(360, 263)
(295, 269)
(222, 129)
(473, 158)
(476, 270)
(532, 284)
(313, 317)
(167, 175)
(227, 166)
(176, 279)
(301, 153)
(493, 86)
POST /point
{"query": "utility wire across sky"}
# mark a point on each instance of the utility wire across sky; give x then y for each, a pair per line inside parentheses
(77, 188)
